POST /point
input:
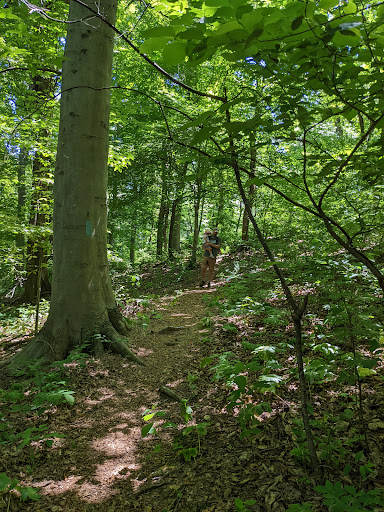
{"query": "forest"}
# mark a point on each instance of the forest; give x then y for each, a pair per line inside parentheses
(129, 380)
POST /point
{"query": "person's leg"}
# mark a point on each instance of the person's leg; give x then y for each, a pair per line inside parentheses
(204, 264)
(211, 265)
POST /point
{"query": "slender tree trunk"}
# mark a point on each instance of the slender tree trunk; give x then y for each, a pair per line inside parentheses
(38, 247)
(163, 213)
(165, 229)
(38, 244)
(252, 189)
(21, 199)
(112, 206)
(175, 223)
(174, 228)
(132, 246)
(82, 301)
(196, 209)
(21, 194)
(297, 313)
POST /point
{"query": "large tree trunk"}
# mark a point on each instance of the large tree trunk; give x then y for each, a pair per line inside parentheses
(82, 301)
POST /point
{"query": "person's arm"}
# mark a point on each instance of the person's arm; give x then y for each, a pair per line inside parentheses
(216, 246)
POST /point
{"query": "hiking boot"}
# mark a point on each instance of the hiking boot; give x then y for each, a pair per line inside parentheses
(208, 284)
(202, 284)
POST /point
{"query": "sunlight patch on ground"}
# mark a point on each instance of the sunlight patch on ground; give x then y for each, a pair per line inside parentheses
(184, 315)
(121, 449)
(200, 290)
(93, 493)
(103, 394)
(142, 351)
(175, 383)
(54, 488)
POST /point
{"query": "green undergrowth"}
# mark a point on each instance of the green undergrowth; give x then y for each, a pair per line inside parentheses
(343, 345)
(29, 395)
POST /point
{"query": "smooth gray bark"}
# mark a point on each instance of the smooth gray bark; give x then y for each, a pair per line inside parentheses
(82, 301)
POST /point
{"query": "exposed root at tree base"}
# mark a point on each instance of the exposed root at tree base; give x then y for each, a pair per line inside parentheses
(43, 350)
(119, 346)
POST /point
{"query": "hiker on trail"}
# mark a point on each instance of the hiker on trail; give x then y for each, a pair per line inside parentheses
(205, 244)
(215, 243)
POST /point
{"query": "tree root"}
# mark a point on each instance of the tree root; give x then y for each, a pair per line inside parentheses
(170, 393)
(120, 346)
(46, 349)
(38, 349)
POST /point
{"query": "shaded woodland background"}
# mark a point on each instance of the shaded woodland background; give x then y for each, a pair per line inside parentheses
(264, 119)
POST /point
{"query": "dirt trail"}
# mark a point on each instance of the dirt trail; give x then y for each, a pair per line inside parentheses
(103, 463)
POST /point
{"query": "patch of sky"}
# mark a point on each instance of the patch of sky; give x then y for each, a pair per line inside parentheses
(251, 60)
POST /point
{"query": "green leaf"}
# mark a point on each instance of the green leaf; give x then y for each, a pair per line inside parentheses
(365, 372)
(159, 32)
(191, 33)
(148, 417)
(148, 429)
(257, 181)
(29, 493)
(8, 14)
(216, 3)
(228, 27)
(241, 381)
(350, 8)
(153, 44)
(251, 19)
(175, 53)
(296, 23)
(346, 415)
(5, 481)
(68, 397)
(327, 4)
(188, 453)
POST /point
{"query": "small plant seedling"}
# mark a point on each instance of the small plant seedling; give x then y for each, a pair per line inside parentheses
(241, 506)
(7, 485)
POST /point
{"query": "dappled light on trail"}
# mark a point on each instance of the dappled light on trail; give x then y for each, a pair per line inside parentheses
(213, 416)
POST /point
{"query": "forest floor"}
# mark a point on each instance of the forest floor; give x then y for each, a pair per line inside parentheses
(199, 462)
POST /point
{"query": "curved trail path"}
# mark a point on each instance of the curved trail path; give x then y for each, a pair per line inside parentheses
(104, 463)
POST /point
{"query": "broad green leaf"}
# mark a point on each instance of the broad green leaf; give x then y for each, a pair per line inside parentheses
(228, 27)
(175, 53)
(191, 33)
(296, 23)
(148, 429)
(257, 181)
(350, 8)
(159, 32)
(327, 4)
(216, 3)
(69, 397)
(225, 13)
(251, 19)
(241, 381)
(148, 417)
(8, 14)
(29, 493)
(365, 372)
(153, 44)
(5, 481)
